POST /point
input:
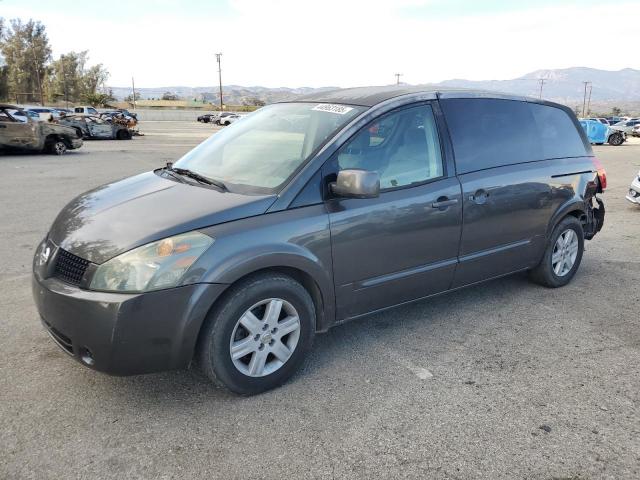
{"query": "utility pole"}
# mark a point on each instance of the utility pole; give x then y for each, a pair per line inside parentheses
(589, 100)
(218, 55)
(398, 75)
(542, 81)
(133, 92)
(584, 99)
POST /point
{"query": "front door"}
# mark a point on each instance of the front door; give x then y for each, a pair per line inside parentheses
(99, 129)
(16, 134)
(402, 245)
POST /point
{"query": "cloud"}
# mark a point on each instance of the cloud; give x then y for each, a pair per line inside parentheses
(336, 42)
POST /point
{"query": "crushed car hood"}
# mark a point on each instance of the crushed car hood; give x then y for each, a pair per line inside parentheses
(114, 218)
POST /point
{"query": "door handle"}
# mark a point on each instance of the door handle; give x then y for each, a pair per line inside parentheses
(444, 202)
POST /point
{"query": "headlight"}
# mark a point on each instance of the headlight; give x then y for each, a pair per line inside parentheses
(153, 266)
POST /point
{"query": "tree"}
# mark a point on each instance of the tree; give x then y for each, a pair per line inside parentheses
(66, 76)
(26, 51)
(98, 99)
(616, 111)
(4, 70)
(169, 96)
(94, 77)
(253, 101)
(129, 98)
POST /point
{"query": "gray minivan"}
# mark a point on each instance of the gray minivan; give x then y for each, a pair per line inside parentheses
(310, 213)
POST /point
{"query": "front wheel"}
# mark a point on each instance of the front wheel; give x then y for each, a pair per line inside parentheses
(562, 256)
(616, 139)
(123, 134)
(259, 334)
(57, 147)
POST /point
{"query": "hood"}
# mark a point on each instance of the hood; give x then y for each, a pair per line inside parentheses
(114, 218)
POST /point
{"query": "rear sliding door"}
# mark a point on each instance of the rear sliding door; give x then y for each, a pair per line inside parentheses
(507, 153)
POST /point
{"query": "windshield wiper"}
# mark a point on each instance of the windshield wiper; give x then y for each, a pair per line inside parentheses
(197, 177)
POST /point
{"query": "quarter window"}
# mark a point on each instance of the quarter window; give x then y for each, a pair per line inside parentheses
(403, 147)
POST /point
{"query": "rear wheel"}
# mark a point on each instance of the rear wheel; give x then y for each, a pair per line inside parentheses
(562, 256)
(616, 139)
(259, 334)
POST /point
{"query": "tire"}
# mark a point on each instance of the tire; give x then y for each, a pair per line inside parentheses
(547, 272)
(616, 139)
(227, 123)
(123, 135)
(248, 375)
(56, 147)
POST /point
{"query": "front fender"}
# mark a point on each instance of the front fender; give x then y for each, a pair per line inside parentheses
(295, 239)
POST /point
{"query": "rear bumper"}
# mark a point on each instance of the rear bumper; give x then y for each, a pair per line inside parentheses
(125, 334)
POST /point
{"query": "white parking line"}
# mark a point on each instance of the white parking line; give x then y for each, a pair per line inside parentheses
(420, 372)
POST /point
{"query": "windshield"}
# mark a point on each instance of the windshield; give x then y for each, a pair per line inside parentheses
(259, 152)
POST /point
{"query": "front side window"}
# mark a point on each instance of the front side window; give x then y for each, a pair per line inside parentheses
(261, 152)
(403, 147)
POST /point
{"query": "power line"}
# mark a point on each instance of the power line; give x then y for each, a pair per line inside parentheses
(398, 75)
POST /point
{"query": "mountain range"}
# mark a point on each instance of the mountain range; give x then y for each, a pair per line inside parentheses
(562, 85)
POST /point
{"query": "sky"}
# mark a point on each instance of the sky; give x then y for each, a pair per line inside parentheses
(314, 43)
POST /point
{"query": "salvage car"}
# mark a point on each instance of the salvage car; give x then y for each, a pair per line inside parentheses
(626, 126)
(636, 131)
(27, 134)
(599, 134)
(92, 127)
(634, 190)
(207, 117)
(269, 232)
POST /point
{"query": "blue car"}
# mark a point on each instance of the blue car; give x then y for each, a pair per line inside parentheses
(600, 133)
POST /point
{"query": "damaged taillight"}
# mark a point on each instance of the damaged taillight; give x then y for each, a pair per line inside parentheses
(602, 174)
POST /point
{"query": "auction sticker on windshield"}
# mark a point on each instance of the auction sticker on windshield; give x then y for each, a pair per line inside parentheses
(332, 108)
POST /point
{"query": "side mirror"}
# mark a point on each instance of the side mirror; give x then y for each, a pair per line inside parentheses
(354, 183)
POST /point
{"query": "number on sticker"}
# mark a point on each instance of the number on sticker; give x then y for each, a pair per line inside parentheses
(332, 108)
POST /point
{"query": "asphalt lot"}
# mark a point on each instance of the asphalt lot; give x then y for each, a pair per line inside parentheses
(503, 380)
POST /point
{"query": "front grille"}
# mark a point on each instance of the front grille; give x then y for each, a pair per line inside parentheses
(61, 339)
(69, 267)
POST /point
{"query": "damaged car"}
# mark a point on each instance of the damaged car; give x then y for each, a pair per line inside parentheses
(92, 127)
(634, 190)
(20, 132)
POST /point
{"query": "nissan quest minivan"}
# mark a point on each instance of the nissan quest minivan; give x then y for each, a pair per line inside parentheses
(310, 213)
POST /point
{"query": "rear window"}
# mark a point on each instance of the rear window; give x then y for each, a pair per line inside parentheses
(489, 133)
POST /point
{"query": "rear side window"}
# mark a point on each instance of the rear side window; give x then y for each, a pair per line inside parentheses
(557, 132)
(489, 133)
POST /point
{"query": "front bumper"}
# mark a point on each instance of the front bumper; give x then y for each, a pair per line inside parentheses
(76, 143)
(634, 192)
(124, 334)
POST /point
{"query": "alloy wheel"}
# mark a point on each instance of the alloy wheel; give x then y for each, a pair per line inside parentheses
(565, 252)
(265, 337)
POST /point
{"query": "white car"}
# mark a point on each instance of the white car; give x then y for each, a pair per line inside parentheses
(636, 131)
(229, 119)
(626, 126)
(634, 190)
